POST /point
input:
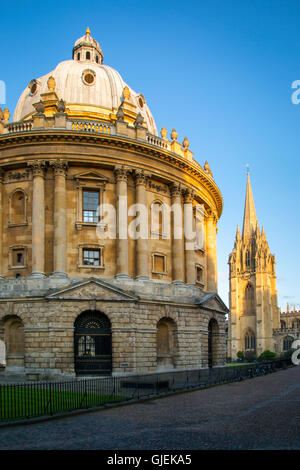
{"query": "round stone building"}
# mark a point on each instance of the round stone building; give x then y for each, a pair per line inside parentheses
(108, 261)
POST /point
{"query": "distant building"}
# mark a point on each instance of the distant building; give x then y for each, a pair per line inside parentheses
(252, 296)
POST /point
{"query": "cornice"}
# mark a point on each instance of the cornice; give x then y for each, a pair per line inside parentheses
(114, 141)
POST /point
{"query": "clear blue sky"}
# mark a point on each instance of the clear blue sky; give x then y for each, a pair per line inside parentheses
(219, 72)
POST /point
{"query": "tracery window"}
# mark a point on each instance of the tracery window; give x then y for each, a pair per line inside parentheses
(250, 342)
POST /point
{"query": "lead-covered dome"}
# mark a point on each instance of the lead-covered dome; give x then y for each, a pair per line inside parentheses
(89, 89)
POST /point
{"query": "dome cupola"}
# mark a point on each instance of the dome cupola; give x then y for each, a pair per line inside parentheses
(87, 49)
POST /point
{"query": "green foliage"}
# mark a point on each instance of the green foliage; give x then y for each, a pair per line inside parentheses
(240, 355)
(267, 355)
(250, 356)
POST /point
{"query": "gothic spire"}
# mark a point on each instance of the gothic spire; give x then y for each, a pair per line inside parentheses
(250, 220)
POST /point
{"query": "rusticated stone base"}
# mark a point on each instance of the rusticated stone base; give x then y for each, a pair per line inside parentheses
(133, 309)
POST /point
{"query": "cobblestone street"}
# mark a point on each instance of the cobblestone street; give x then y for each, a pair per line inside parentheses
(260, 413)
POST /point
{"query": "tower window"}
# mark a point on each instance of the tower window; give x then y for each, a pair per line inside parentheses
(88, 55)
(78, 56)
(97, 59)
(248, 261)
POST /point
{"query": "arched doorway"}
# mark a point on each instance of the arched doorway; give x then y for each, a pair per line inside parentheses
(166, 343)
(213, 330)
(92, 344)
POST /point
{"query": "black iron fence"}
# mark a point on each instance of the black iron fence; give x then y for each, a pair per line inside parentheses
(36, 399)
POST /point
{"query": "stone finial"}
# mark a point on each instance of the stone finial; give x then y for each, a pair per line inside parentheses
(40, 107)
(1, 115)
(51, 83)
(139, 120)
(185, 143)
(126, 93)
(174, 135)
(120, 115)
(207, 169)
(61, 107)
(6, 114)
(164, 133)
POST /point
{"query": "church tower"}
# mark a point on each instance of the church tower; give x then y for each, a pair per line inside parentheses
(252, 295)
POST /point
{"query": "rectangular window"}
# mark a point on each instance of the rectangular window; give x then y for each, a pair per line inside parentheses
(91, 257)
(18, 257)
(91, 200)
(158, 263)
(199, 274)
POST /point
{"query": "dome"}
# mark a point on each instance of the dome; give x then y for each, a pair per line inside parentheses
(89, 89)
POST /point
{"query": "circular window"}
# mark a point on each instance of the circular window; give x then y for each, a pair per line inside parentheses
(88, 77)
(33, 87)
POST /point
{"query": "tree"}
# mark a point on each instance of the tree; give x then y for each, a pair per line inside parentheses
(267, 355)
(240, 355)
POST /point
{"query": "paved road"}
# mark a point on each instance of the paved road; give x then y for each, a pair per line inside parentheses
(260, 413)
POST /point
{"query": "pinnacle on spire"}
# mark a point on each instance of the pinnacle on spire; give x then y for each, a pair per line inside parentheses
(250, 219)
(238, 233)
(88, 31)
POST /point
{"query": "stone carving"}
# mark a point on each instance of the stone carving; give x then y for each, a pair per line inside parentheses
(61, 107)
(60, 167)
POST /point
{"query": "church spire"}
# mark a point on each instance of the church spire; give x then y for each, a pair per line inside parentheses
(250, 220)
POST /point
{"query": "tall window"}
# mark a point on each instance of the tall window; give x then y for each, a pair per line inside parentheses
(91, 206)
(248, 261)
(249, 300)
(250, 340)
(88, 56)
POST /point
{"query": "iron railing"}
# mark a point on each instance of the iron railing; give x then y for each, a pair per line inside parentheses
(36, 399)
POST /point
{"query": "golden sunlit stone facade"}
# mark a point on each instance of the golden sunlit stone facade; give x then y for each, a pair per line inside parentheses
(82, 139)
(254, 314)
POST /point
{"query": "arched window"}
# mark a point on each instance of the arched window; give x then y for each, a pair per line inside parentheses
(287, 343)
(250, 342)
(78, 56)
(18, 207)
(158, 220)
(97, 59)
(249, 300)
(88, 55)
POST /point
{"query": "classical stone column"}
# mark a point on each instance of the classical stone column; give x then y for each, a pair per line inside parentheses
(38, 218)
(1, 225)
(189, 237)
(122, 266)
(177, 234)
(60, 219)
(211, 252)
(141, 246)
